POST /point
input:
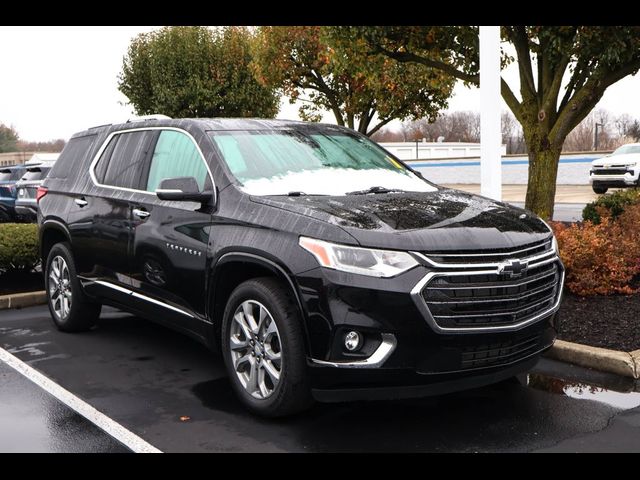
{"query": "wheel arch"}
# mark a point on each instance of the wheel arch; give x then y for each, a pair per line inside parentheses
(51, 232)
(234, 268)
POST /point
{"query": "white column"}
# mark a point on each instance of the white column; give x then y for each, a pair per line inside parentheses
(490, 106)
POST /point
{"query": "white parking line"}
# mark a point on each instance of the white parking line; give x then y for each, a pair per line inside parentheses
(108, 425)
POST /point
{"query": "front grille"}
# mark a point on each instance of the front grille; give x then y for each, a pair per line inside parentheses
(484, 256)
(475, 300)
(499, 353)
(611, 171)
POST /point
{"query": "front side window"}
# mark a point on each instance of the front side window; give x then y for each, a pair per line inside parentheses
(314, 162)
(175, 155)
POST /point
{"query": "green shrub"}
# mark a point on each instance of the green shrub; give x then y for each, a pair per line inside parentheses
(615, 203)
(18, 246)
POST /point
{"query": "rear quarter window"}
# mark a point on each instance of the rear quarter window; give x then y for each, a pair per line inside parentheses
(75, 154)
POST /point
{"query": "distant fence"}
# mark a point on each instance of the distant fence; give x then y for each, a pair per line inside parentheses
(572, 170)
(429, 150)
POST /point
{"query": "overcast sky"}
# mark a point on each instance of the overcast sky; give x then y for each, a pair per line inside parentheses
(58, 80)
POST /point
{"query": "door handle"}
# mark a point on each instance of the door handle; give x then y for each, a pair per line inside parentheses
(81, 202)
(140, 213)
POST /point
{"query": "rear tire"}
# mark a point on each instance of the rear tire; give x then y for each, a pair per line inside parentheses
(70, 310)
(600, 190)
(267, 364)
(4, 217)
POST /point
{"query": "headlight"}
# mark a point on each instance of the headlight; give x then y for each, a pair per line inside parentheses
(364, 261)
(554, 242)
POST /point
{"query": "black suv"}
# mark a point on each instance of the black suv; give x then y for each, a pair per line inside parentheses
(321, 266)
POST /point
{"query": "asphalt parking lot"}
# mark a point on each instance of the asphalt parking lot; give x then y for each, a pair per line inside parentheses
(173, 393)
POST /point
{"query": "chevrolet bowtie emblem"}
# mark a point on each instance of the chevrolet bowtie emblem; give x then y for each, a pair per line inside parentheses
(513, 268)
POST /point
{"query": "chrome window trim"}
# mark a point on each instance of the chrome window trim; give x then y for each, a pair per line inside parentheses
(377, 358)
(416, 295)
(533, 258)
(144, 129)
(142, 297)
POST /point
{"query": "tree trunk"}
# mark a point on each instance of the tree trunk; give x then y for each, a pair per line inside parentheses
(543, 170)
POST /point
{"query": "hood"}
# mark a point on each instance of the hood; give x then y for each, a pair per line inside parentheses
(624, 159)
(443, 220)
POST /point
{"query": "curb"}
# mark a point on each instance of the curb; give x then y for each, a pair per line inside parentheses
(626, 364)
(21, 300)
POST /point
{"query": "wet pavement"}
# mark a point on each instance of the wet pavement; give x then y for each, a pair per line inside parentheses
(31, 420)
(173, 393)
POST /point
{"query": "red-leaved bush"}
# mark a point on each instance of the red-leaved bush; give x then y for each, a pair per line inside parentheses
(601, 259)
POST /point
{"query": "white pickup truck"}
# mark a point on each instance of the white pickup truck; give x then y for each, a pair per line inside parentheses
(619, 169)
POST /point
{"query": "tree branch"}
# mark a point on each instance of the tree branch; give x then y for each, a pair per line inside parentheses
(521, 43)
(586, 98)
(552, 91)
(380, 124)
(429, 62)
(511, 100)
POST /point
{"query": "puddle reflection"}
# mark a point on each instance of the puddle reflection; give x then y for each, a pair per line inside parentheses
(585, 391)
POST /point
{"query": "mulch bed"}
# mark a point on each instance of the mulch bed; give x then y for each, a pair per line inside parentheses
(611, 321)
(19, 282)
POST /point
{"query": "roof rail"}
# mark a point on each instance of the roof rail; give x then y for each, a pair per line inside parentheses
(100, 126)
(144, 118)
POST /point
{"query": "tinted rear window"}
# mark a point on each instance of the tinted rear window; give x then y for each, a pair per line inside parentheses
(38, 173)
(7, 174)
(73, 157)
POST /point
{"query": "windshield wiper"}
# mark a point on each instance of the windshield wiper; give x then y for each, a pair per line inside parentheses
(296, 193)
(376, 190)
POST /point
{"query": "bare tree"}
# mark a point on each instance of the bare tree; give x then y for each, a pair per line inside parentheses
(452, 127)
(512, 135)
(53, 146)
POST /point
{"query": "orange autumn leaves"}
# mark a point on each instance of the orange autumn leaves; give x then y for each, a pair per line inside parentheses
(604, 258)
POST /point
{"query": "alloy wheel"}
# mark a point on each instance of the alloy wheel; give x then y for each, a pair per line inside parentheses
(60, 294)
(256, 350)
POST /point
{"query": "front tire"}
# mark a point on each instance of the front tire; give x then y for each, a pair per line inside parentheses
(600, 190)
(70, 310)
(263, 349)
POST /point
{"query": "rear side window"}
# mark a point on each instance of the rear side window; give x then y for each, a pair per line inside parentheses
(6, 175)
(101, 167)
(125, 166)
(37, 173)
(176, 155)
(73, 157)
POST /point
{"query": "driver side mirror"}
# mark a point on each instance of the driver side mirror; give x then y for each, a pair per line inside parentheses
(182, 189)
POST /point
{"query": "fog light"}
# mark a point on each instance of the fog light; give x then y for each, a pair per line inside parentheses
(352, 341)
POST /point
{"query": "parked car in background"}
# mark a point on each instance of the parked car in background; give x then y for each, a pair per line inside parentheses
(27, 188)
(8, 192)
(619, 169)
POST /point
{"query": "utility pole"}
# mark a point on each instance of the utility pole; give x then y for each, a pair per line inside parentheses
(490, 106)
(595, 140)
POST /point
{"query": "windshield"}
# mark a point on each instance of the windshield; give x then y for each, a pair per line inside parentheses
(37, 173)
(623, 150)
(311, 162)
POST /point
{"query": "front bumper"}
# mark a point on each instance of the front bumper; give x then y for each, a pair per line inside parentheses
(404, 355)
(627, 179)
